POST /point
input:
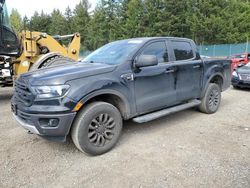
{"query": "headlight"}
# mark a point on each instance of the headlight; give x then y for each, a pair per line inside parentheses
(235, 74)
(47, 92)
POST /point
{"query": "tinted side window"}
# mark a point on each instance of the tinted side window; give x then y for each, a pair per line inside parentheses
(182, 50)
(158, 49)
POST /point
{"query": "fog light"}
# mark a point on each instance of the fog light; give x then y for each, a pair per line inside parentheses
(44, 122)
(53, 122)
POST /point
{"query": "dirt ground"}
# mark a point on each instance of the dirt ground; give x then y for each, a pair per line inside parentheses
(187, 149)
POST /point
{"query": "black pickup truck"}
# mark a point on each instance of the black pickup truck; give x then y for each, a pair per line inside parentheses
(140, 79)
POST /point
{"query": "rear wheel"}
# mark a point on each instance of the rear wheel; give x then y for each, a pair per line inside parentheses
(97, 128)
(211, 101)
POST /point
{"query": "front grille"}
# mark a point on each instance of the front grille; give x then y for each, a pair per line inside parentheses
(23, 93)
(245, 77)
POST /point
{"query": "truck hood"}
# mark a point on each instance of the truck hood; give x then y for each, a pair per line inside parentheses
(244, 70)
(60, 74)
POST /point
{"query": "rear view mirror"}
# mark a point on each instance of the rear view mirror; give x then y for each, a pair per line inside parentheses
(146, 61)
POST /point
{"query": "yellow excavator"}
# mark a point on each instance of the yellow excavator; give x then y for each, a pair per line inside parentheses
(31, 50)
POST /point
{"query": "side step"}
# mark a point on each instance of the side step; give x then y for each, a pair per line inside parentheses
(165, 112)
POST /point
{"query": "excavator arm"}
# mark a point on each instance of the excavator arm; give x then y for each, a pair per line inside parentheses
(32, 50)
(35, 45)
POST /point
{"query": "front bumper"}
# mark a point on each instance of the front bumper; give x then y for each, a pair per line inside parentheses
(240, 83)
(38, 124)
(26, 126)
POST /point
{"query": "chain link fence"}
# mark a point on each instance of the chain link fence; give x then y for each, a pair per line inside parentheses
(222, 50)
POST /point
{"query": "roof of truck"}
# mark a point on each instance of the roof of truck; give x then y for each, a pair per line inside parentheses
(151, 38)
(143, 40)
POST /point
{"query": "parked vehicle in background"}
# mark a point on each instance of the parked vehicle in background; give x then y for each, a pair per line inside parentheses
(238, 59)
(141, 79)
(204, 57)
(30, 50)
(241, 77)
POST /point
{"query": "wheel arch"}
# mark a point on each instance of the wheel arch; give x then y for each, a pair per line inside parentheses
(217, 79)
(110, 96)
(214, 78)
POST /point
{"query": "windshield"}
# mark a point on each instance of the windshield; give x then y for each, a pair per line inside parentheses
(113, 53)
(5, 17)
(9, 44)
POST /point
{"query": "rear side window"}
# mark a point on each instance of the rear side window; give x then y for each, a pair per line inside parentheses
(182, 50)
(159, 49)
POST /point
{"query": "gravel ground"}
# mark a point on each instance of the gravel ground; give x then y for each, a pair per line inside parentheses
(187, 149)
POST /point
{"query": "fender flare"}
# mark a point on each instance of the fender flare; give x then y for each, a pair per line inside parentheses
(209, 80)
(127, 113)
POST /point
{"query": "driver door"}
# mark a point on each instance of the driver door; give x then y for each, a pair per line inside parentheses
(155, 85)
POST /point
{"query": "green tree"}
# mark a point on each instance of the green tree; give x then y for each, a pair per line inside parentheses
(156, 18)
(69, 21)
(16, 20)
(221, 21)
(205, 21)
(81, 19)
(57, 25)
(40, 22)
(105, 25)
(97, 34)
(135, 19)
(26, 22)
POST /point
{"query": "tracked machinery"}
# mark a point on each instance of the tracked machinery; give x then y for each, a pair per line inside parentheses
(29, 50)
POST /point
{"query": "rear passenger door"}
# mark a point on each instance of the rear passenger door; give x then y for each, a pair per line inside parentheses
(188, 70)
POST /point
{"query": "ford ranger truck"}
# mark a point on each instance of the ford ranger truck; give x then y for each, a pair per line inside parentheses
(140, 79)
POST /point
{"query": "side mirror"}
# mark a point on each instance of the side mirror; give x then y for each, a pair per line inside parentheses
(240, 65)
(146, 61)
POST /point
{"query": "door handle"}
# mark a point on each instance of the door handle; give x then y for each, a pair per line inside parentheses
(169, 71)
(196, 66)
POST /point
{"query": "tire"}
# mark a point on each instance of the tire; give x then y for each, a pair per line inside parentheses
(211, 101)
(97, 128)
(53, 61)
(236, 87)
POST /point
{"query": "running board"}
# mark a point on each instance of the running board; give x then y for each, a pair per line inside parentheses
(167, 111)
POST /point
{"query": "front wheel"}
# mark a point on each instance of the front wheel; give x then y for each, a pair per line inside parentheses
(211, 101)
(97, 128)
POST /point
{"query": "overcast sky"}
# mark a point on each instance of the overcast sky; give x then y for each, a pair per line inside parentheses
(28, 7)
